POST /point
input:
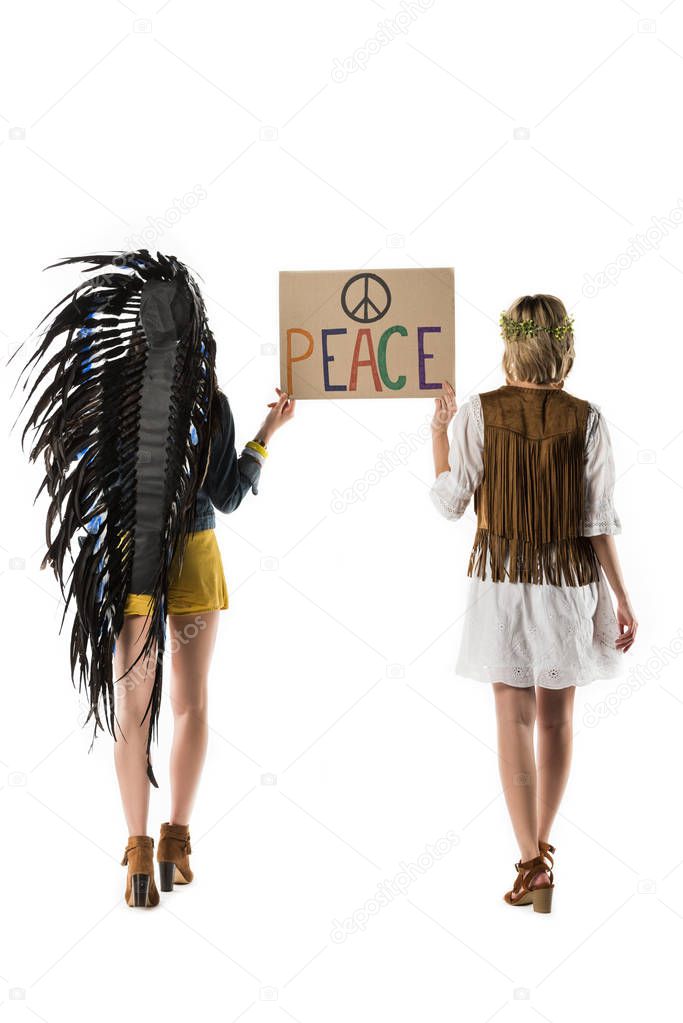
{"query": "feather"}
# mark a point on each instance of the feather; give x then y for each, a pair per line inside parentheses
(85, 381)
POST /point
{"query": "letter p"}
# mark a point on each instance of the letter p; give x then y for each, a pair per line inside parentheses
(291, 358)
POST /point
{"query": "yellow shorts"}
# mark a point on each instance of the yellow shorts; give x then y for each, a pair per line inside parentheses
(198, 586)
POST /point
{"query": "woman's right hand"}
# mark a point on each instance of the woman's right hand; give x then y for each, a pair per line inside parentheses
(281, 411)
(628, 626)
(445, 408)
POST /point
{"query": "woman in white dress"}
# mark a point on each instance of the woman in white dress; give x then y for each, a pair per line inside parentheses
(539, 619)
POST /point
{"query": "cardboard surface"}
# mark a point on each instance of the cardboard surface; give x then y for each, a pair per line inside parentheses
(367, 333)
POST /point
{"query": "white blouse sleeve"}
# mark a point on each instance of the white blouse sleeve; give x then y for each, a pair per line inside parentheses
(451, 491)
(600, 515)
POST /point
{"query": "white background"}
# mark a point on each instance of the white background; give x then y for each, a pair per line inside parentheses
(333, 676)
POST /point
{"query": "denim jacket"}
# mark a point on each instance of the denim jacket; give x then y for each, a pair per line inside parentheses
(228, 478)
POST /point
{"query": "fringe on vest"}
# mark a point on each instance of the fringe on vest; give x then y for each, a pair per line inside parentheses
(569, 562)
(530, 506)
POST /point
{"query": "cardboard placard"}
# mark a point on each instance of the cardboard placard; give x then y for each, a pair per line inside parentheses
(367, 333)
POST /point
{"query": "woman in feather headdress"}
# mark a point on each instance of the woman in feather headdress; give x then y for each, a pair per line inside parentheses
(139, 447)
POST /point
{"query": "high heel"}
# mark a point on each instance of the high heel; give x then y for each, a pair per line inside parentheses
(542, 899)
(166, 875)
(141, 889)
(173, 854)
(524, 893)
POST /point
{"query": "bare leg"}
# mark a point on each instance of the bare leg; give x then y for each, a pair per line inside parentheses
(132, 696)
(555, 713)
(193, 638)
(516, 713)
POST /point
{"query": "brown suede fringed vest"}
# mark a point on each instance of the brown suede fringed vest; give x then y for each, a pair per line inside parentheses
(529, 504)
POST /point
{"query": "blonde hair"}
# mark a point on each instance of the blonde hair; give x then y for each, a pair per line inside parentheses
(544, 353)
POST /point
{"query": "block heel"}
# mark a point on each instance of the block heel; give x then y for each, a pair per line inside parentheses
(542, 899)
(141, 889)
(525, 893)
(166, 874)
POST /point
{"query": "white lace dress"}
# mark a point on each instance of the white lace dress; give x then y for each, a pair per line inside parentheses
(524, 633)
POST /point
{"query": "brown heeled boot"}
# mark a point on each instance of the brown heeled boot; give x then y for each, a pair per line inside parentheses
(141, 889)
(173, 855)
(524, 893)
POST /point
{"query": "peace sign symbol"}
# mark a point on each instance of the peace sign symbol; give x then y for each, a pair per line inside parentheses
(357, 298)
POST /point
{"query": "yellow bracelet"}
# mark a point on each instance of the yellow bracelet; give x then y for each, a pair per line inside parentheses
(257, 447)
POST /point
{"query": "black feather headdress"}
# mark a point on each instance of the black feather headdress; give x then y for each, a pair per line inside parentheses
(88, 379)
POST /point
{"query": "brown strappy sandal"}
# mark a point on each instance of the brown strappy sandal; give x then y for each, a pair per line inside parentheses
(547, 850)
(540, 898)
